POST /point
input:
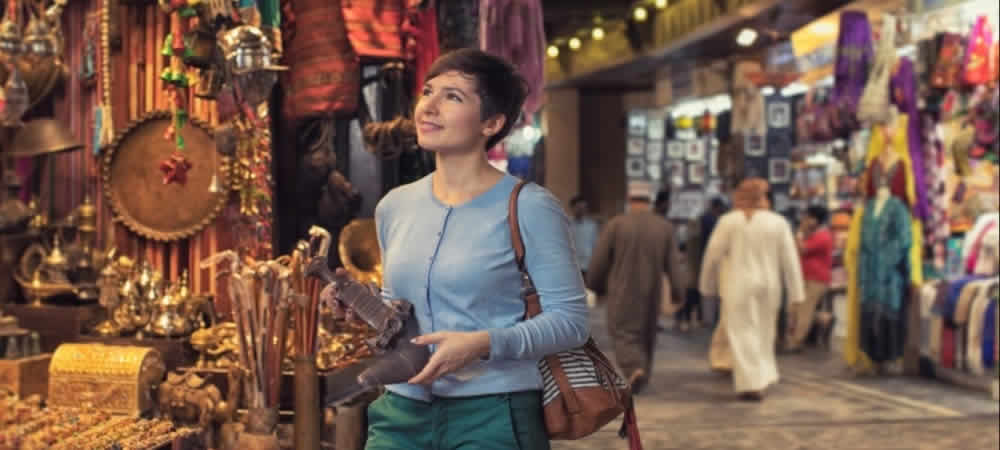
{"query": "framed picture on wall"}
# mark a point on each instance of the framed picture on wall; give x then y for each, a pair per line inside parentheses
(696, 151)
(755, 145)
(636, 146)
(637, 123)
(696, 173)
(654, 171)
(656, 128)
(675, 149)
(654, 151)
(779, 171)
(675, 173)
(779, 115)
(635, 168)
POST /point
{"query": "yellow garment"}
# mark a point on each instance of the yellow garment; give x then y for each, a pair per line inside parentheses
(853, 354)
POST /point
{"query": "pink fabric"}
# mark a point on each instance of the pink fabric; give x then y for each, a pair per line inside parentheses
(513, 30)
(970, 261)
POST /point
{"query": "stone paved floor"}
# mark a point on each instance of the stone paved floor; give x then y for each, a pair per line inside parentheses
(815, 406)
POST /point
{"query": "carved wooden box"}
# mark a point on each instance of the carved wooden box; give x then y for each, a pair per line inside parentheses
(115, 378)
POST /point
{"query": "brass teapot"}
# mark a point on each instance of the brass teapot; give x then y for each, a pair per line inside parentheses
(177, 312)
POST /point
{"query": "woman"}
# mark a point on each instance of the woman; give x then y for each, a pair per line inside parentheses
(446, 248)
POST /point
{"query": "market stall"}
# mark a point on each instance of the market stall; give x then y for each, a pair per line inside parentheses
(179, 178)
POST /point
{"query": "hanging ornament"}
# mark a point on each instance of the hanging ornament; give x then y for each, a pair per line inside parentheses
(175, 169)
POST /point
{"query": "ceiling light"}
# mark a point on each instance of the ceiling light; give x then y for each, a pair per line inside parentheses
(746, 37)
(660, 4)
(597, 33)
(574, 43)
(640, 14)
(553, 51)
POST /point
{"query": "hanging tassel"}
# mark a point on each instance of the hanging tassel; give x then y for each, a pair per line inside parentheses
(630, 427)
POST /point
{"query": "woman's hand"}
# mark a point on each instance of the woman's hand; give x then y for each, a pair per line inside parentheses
(454, 351)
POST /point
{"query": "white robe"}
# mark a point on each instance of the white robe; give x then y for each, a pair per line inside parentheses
(746, 263)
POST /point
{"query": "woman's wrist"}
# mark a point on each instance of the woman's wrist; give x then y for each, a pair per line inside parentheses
(483, 337)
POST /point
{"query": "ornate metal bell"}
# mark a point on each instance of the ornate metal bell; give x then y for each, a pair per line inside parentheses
(42, 136)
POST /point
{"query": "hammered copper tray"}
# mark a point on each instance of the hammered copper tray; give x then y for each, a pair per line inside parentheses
(133, 182)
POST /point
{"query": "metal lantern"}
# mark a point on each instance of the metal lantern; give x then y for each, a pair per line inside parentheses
(248, 57)
(11, 44)
(15, 99)
(39, 40)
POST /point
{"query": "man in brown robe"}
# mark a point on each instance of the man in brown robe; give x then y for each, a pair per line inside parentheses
(626, 270)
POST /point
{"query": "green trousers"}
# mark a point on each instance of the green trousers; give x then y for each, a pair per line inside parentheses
(490, 422)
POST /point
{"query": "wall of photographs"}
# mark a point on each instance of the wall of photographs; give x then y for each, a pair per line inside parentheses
(660, 156)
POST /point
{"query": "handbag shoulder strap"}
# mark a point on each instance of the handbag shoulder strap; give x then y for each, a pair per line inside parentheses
(532, 305)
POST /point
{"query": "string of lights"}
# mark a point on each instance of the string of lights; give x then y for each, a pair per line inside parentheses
(639, 12)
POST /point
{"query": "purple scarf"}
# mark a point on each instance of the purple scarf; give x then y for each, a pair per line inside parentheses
(902, 88)
(854, 58)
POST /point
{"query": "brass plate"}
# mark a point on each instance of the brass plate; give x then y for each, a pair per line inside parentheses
(133, 182)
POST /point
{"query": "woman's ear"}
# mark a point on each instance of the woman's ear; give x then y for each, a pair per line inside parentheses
(493, 125)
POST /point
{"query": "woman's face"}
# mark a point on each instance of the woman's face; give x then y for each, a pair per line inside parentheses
(448, 115)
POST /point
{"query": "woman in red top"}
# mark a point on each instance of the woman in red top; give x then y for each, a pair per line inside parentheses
(816, 251)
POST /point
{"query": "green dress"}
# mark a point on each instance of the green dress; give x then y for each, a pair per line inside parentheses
(883, 276)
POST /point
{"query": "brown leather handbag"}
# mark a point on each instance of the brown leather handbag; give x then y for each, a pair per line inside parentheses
(581, 390)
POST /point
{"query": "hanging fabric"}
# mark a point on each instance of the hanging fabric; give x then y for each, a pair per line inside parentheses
(375, 27)
(422, 46)
(458, 24)
(323, 79)
(854, 58)
(873, 106)
(904, 96)
(514, 30)
(977, 54)
(949, 62)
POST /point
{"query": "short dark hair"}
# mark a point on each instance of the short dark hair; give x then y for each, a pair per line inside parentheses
(818, 212)
(717, 202)
(500, 87)
(576, 199)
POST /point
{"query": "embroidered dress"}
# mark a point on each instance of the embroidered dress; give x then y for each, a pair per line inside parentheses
(883, 279)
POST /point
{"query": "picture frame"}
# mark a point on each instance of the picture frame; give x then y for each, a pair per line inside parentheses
(635, 168)
(779, 114)
(779, 171)
(637, 122)
(675, 149)
(656, 128)
(713, 162)
(654, 171)
(636, 146)
(696, 173)
(674, 172)
(654, 151)
(695, 151)
(755, 145)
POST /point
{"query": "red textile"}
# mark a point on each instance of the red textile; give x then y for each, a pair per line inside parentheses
(817, 256)
(897, 182)
(514, 30)
(375, 26)
(421, 43)
(947, 346)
